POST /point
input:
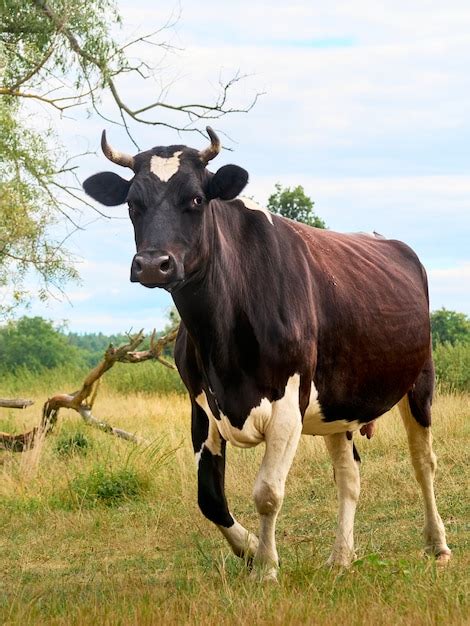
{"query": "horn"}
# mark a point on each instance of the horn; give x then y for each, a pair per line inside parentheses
(213, 150)
(121, 158)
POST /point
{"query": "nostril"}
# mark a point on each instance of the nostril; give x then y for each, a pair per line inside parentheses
(165, 266)
(137, 265)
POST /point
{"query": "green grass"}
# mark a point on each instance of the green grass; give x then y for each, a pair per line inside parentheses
(73, 443)
(127, 379)
(114, 536)
(452, 365)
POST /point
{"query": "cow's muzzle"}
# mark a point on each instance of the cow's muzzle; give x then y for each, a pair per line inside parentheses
(153, 268)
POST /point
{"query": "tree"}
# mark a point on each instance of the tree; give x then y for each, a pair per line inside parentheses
(449, 327)
(294, 204)
(61, 55)
(27, 203)
(34, 344)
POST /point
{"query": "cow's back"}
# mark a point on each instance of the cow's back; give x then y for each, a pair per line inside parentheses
(372, 310)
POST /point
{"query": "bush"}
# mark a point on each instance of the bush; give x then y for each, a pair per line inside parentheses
(110, 487)
(449, 327)
(74, 443)
(453, 366)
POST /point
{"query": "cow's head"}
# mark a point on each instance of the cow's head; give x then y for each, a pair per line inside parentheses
(168, 200)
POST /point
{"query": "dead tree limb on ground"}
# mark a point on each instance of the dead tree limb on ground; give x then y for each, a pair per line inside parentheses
(15, 403)
(82, 400)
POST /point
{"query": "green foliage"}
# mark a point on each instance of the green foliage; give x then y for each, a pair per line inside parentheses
(23, 381)
(294, 204)
(38, 55)
(93, 345)
(449, 327)
(34, 344)
(149, 377)
(111, 487)
(39, 358)
(68, 444)
(34, 38)
(452, 363)
(27, 210)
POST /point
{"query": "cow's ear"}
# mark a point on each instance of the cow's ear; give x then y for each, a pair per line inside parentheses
(227, 182)
(108, 188)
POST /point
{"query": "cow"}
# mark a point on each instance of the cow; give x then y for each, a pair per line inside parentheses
(285, 330)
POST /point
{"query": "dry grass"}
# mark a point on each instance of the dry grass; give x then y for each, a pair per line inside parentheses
(152, 558)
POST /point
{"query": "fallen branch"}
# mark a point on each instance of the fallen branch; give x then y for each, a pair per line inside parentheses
(15, 403)
(18, 443)
(82, 400)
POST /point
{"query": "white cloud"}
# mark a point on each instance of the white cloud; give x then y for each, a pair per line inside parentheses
(450, 287)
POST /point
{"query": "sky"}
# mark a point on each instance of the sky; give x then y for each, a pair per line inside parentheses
(366, 104)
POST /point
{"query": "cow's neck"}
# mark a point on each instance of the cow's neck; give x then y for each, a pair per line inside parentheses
(244, 303)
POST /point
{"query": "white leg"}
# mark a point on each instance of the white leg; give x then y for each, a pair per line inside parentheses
(282, 438)
(424, 465)
(347, 478)
(243, 543)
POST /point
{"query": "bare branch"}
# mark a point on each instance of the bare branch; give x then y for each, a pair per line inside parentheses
(17, 403)
(82, 400)
(18, 443)
(194, 112)
(74, 100)
(155, 351)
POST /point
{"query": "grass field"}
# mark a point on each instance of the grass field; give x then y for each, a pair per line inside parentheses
(95, 530)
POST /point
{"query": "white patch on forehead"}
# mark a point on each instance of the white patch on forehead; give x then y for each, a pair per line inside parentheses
(165, 168)
(253, 206)
(314, 422)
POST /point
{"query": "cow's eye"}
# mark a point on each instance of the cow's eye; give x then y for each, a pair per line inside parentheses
(198, 200)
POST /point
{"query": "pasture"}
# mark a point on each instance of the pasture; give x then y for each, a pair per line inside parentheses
(95, 530)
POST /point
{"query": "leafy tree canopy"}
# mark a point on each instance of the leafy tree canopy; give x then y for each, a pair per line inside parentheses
(27, 210)
(34, 344)
(449, 327)
(294, 204)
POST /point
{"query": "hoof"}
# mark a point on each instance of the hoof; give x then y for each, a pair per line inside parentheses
(264, 574)
(339, 560)
(443, 558)
(270, 578)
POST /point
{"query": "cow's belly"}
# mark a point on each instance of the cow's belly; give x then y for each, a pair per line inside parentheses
(259, 418)
(314, 421)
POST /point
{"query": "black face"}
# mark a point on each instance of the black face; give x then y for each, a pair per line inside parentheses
(168, 202)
